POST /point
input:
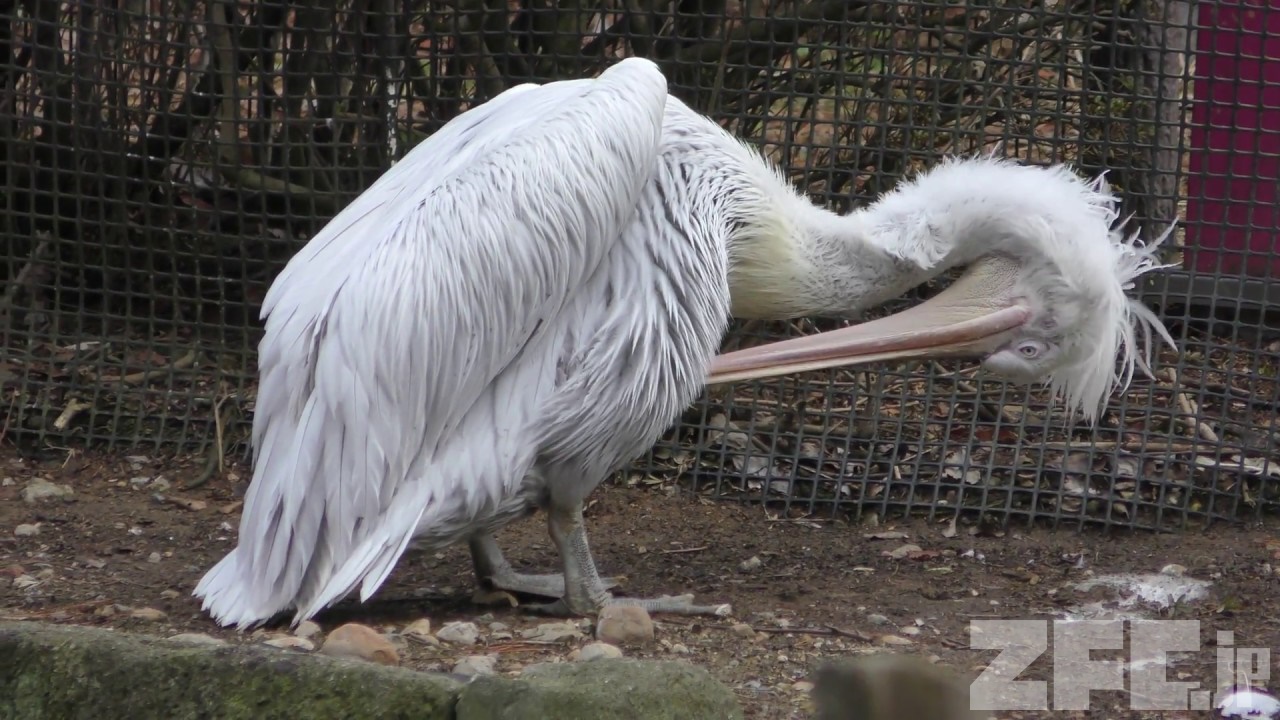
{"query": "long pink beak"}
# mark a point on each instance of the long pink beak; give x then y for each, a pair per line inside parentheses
(972, 317)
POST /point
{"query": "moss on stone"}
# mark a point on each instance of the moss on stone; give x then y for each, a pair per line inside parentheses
(78, 672)
(620, 689)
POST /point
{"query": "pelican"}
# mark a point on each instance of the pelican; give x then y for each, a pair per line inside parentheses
(531, 296)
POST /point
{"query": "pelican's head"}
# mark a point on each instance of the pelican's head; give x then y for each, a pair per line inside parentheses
(1047, 303)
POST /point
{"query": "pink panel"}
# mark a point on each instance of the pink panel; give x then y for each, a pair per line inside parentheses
(1235, 157)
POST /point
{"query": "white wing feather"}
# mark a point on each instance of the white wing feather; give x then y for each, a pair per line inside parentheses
(387, 328)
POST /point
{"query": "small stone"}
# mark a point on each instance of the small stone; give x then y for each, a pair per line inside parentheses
(1174, 570)
(27, 530)
(903, 550)
(169, 594)
(802, 686)
(419, 631)
(197, 639)
(622, 625)
(680, 649)
(306, 629)
(459, 633)
(139, 482)
(40, 490)
(160, 484)
(743, 630)
(147, 613)
(598, 651)
(894, 640)
(552, 632)
(877, 619)
(360, 641)
(472, 665)
(750, 563)
(909, 630)
(287, 642)
(153, 558)
(499, 626)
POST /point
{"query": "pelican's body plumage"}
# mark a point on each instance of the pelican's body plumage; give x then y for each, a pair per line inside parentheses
(525, 303)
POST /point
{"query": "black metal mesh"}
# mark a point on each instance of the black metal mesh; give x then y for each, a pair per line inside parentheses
(162, 159)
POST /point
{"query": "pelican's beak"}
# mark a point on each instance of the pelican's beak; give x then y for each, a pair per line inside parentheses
(970, 318)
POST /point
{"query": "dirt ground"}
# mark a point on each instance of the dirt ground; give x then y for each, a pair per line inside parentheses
(820, 589)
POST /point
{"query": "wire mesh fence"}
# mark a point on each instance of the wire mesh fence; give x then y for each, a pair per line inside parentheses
(163, 159)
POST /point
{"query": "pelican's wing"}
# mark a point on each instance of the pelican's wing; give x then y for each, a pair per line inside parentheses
(385, 330)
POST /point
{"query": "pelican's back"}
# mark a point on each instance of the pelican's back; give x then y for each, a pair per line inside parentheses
(384, 332)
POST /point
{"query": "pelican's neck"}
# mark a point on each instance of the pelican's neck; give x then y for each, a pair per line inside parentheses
(795, 259)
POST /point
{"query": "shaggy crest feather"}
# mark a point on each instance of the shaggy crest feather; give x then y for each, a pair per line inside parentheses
(1076, 259)
(1106, 358)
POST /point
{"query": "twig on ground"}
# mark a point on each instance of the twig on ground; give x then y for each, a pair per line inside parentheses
(143, 376)
(74, 407)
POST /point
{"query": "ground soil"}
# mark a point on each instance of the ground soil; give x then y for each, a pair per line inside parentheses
(821, 589)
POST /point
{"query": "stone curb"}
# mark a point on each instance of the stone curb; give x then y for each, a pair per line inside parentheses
(59, 671)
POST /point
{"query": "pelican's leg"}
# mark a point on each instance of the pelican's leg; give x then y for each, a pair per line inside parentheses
(494, 572)
(585, 592)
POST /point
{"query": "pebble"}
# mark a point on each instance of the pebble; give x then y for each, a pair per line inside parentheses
(499, 626)
(802, 686)
(197, 639)
(419, 630)
(39, 490)
(1174, 570)
(894, 640)
(27, 530)
(170, 594)
(750, 563)
(477, 665)
(354, 640)
(288, 642)
(459, 633)
(598, 651)
(743, 630)
(680, 649)
(877, 619)
(306, 629)
(909, 630)
(552, 632)
(147, 613)
(153, 558)
(622, 625)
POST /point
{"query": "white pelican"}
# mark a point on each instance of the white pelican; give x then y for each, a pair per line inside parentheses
(532, 295)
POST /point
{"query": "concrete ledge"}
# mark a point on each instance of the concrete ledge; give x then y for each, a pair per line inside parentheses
(52, 671)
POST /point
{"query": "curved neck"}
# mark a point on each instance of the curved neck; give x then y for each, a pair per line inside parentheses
(801, 260)
(795, 259)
